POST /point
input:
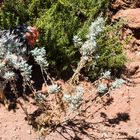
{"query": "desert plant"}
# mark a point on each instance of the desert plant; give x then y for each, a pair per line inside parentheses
(102, 88)
(74, 99)
(118, 83)
(109, 54)
(70, 31)
(89, 47)
(59, 21)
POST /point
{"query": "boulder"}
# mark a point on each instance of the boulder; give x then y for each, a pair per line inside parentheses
(131, 16)
(125, 4)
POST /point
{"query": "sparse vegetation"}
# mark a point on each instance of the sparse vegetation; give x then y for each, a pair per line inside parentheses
(75, 37)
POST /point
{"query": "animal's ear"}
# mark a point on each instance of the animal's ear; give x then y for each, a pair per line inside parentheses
(33, 30)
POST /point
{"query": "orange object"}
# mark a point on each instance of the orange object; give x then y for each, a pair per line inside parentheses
(32, 35)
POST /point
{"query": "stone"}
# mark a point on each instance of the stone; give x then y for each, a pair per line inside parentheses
(130, 16)
(125, 4)
(29, 131)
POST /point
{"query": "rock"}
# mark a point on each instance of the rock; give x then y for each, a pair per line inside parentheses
(131, 16)
(5, 125)
(125, 4)
(16, 128)
(130, 71)
(138, 41)
(29, 131)
(16, 120)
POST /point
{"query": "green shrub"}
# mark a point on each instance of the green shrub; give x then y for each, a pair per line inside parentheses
(58, 21)
(110, 47)
(110, 54)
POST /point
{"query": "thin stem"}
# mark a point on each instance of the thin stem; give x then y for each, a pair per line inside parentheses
(43, 75)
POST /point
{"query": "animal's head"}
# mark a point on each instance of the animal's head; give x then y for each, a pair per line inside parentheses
(26, 34)
(31, 35)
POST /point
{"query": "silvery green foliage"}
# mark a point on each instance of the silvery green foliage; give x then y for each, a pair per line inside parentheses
(106, 74)
(5, 71)
(40, 97)
(1, 65)
(25, 70)
(75, 100)
(9, 75)
(39, 55)
(12, 60)
(102, 88)
(77, 41)
(14, 50)
(89, 46)
(2, 50)
(67, 97)
(20, 64)
(55, 88)
(2, 69)
(95, 28)
(117, 83)
(14, 41)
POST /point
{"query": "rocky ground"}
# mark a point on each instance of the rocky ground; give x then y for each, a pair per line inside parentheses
(110, 118)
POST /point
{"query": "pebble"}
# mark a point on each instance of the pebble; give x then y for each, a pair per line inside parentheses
(29, 131)
(16, 120)
(5, 125)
